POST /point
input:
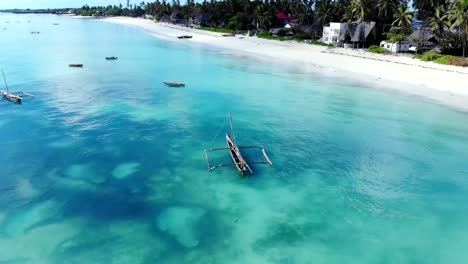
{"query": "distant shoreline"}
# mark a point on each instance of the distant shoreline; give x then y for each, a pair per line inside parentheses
(443, 84)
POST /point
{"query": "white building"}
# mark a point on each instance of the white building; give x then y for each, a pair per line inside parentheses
(396, 47)
(332, 33)
(149, 16)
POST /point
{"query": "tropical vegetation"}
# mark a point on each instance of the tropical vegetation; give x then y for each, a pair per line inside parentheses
(448, 19)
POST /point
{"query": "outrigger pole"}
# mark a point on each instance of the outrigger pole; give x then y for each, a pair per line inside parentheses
(232, 129)
(4, 79)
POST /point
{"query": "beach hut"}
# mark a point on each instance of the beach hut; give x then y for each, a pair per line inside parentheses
(422, 38)
(202, 20)
(359, 34)
(283, 18)
(165, 18)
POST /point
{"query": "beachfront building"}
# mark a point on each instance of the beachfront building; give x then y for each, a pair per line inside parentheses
(285, 19)
(359, 34)
(331, 33)
(202, 20)
(396, 47)
(350, 35)
(421, 39)
(149, 16)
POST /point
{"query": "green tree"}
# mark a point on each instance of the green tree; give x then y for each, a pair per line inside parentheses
(439, 22)
(459, 15)
(402, 17)
(385, 7)
(359, 8)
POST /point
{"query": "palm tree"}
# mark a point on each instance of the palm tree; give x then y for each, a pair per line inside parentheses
(385, 7)
(423, 4)
(459, 15)
(403, 17)
(359, 8)
(324, 12)
(262, 16)
(348, 15)
(439, 22)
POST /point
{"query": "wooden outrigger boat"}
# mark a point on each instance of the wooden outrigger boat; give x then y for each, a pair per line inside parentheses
(174, 84)
(75, 65)
(111, 58)
(184, 37)
(11, 97)
(238, 160)
(14, 98)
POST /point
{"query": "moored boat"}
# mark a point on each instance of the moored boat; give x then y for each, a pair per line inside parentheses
(75, 65)
(11, 97)
(111, 58)
(236, 156)
(238, 160)
(174, 84)
(185, 37)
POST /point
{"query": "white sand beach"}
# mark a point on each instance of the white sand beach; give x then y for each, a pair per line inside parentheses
(443, 84)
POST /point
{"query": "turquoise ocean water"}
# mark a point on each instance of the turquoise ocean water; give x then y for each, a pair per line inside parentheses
(106, 165)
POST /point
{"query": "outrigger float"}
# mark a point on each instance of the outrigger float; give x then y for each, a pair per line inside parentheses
(238, 160)
(12, 97)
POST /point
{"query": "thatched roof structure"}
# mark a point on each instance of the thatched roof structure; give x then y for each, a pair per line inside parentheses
(359, 31)
(423, 36)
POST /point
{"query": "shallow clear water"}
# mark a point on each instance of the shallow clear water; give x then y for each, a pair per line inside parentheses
(106, 165)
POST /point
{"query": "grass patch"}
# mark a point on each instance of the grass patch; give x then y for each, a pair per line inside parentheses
(320, 43)
(377, 49)
(218, 30)
(442, 59)
(430, 56)
(452, 60)
(267, 35)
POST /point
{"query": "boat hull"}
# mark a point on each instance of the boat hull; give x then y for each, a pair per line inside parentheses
(236, 156)
(11, 97)
(173, 84)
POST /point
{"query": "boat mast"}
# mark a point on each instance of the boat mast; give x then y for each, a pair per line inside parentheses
(6, 85)
(232, 129)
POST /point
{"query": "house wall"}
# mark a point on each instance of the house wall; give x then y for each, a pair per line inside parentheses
(332, 32)
(395, 47)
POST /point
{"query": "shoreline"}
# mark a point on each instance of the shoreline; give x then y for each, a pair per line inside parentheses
(441, 84)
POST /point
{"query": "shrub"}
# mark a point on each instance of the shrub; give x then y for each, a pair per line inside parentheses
(430, 56)
(444, 59)
(318, 42)
(377, 49)
(394, 37)
(452, 60)
(301, 36)
(219, 30)
(267, 35)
